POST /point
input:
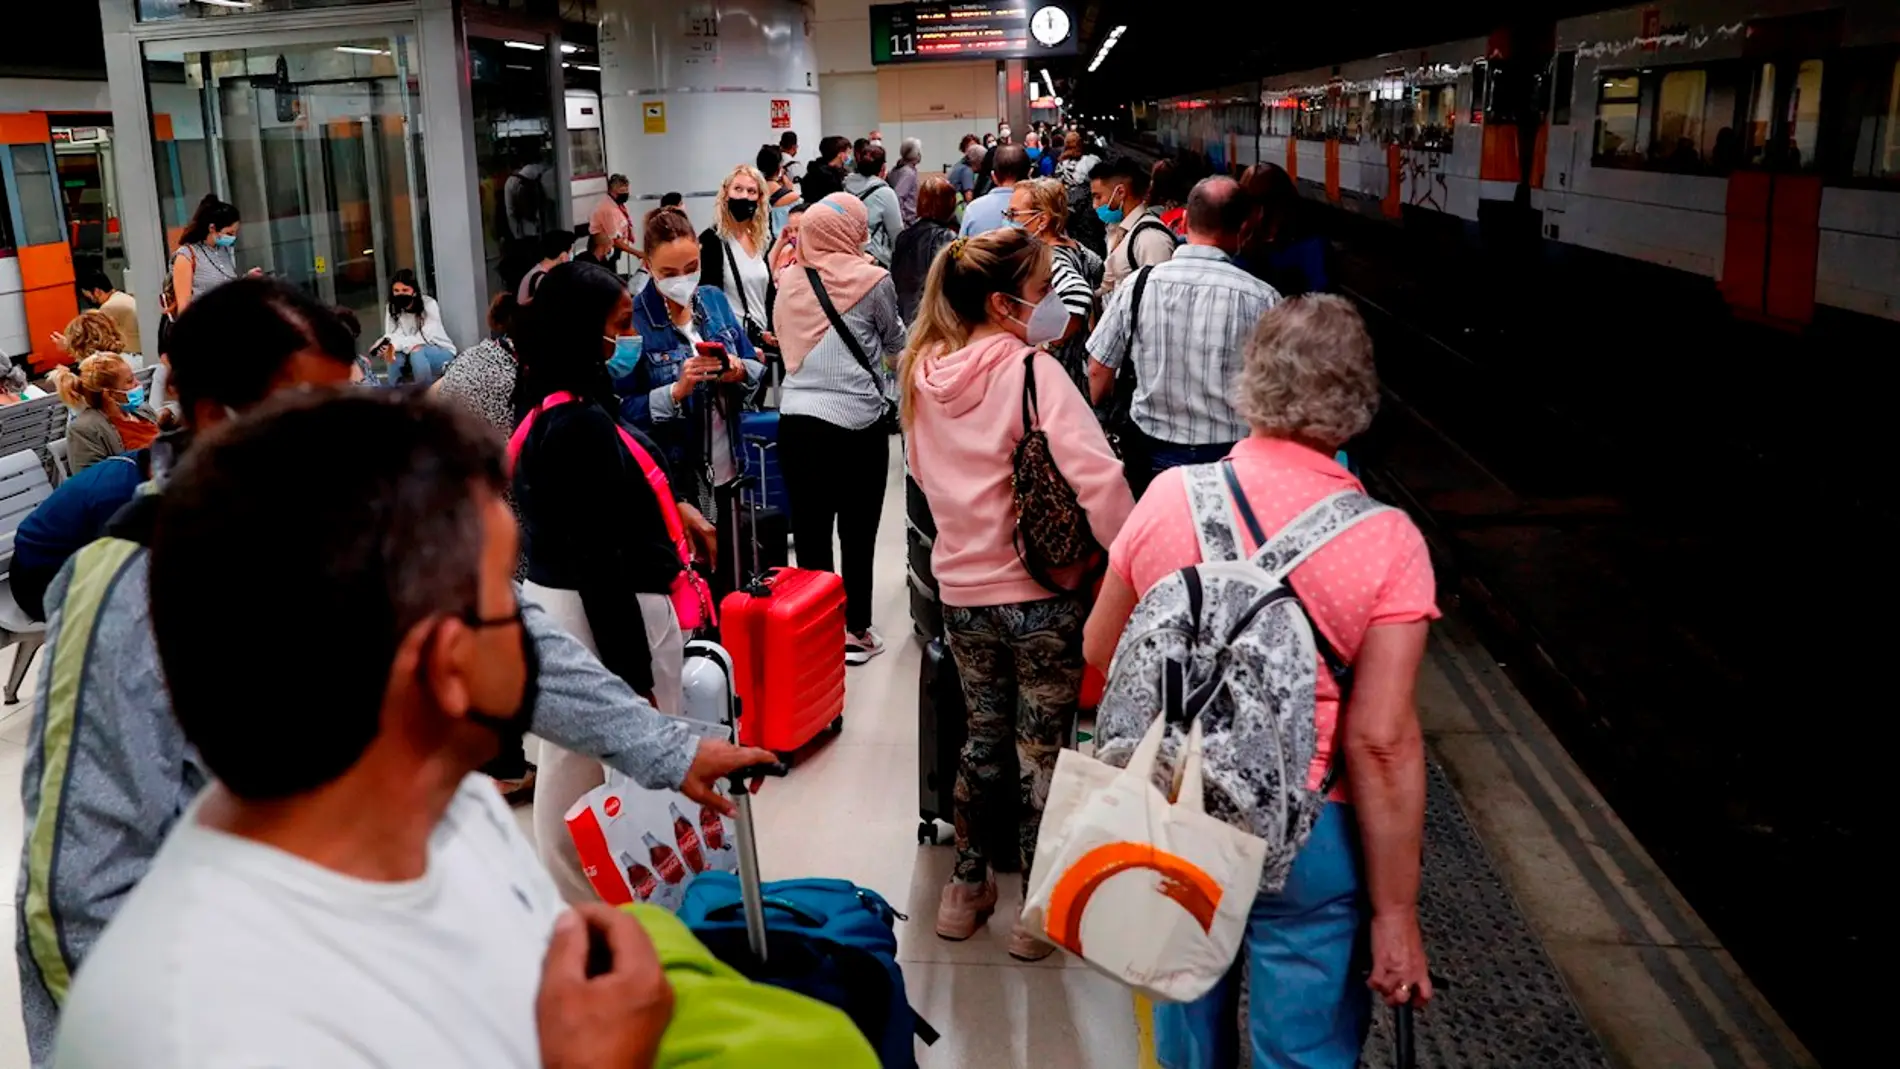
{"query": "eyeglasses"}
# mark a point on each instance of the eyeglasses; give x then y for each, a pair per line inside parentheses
(1017, 216)
(476, 620)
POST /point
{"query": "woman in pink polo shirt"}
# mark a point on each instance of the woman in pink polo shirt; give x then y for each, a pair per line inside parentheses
(1308, 387)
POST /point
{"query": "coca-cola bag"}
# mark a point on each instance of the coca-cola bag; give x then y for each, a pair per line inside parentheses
(641, 845)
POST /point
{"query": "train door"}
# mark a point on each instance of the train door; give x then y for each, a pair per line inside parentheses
(88, 187)
(36, 264)
(1773, 210)
(316, 146)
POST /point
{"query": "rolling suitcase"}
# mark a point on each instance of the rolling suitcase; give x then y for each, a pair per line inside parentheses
(785, 632)
(830, 940)
(759, 432)
(920, 537)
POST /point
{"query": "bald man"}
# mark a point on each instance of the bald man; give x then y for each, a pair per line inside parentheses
(1197, 311)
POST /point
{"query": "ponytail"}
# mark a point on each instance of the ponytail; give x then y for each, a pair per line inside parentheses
(211, 212)
(97, 375)
(956, 298)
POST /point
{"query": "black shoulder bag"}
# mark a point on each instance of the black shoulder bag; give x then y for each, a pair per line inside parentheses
(888, 421)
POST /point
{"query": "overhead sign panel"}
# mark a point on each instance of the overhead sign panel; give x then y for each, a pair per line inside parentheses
(999, 29)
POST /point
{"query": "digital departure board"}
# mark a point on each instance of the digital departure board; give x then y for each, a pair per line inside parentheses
(999, 29)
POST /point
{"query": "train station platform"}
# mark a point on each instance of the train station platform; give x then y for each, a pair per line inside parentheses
(1558, 941)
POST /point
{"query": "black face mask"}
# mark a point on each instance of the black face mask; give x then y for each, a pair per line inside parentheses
(510, 727)
(621, 198)
(409, 303)
(742, 210)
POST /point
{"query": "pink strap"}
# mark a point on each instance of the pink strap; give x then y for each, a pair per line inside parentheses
(688, 589)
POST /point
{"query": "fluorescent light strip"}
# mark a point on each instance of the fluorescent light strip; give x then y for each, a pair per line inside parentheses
(356, 50)
(582, 67)
(569, 49)
(225, 3)
(1108, 46)
(526, 46)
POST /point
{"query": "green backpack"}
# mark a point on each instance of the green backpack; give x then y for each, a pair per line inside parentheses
(721, 1018)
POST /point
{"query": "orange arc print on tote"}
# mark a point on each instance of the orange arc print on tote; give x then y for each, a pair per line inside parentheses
(1180, 880)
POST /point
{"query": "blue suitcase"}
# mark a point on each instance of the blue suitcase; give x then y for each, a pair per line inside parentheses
(758, 437)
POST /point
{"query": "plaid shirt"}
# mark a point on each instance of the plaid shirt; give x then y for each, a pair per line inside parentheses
(1197, 313)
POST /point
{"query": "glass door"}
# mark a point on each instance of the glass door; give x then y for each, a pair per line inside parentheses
(317, 145)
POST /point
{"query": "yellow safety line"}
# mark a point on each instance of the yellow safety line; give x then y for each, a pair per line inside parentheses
(1145, 1033)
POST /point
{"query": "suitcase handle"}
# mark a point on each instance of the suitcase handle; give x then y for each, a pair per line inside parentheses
(751, 888)
(727, 911)
(1403, 1055)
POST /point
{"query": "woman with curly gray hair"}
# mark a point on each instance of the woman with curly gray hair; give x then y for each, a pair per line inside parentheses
(1308, 386)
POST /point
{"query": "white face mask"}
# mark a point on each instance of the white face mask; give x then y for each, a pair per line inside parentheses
(679, 289)
(1047, 322)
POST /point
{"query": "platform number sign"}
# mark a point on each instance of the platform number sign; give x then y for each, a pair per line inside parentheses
(781, 114)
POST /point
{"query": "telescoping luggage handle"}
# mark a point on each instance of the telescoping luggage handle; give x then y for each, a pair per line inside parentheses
(1402, 1051)
(751, 887)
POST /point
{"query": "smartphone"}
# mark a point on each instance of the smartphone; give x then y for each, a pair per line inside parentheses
(716, 351)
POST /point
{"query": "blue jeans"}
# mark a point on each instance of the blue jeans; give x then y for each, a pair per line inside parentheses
(1308, 1006)
(426, 364)
(1143, 457)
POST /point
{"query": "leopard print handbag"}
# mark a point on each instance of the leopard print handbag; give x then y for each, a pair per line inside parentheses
(1052, 528)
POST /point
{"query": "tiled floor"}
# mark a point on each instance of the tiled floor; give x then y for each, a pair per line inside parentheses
(849, 810)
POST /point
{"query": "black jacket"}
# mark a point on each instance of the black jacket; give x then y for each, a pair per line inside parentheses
(917, 247)
(821, 180)
(591, 524)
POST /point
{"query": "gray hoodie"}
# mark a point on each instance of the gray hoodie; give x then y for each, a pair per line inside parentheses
(108, 771)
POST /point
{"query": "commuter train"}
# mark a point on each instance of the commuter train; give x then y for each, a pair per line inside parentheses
(1755, 143)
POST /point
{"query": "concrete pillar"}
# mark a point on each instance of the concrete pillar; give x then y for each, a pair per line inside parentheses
(690, 90)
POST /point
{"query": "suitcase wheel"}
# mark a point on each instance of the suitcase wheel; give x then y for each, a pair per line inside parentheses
(837, 726)
(927, 833)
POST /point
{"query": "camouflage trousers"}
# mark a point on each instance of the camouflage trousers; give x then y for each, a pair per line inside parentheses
(1021, 669)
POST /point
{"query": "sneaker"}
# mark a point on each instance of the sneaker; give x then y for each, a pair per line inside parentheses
(1026, 945)
(861, 646)
(964, 908)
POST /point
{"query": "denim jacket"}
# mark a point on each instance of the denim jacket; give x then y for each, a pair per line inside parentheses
(646, 394)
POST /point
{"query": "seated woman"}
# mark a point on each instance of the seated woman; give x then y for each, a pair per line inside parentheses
(419, 343)
(599, 522)
(688, 402)
(111, 415)
(1308, 385)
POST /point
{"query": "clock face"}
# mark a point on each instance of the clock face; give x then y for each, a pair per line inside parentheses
(1050, 25)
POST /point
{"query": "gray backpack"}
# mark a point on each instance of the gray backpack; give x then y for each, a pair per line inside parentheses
(881, 241)
(1228, 641)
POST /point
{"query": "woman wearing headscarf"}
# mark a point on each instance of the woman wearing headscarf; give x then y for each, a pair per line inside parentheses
(838, 328)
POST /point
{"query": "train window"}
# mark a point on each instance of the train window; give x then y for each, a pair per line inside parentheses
(1679, 113)
(1618, 107)
(1480, 89)
(1566, 86)
(36, 185)
(1877, 124)
(1804, 115)
(586, 152)
(1761, 114)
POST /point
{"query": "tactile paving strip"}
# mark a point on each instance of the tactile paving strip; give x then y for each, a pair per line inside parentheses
(1502, 1003)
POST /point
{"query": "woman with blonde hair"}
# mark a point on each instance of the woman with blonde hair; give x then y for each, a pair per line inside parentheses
(1041, 207)
(112, 417)
(972, 377)
(733, 251)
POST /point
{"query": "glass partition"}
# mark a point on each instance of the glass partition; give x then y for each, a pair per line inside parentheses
(317, 144)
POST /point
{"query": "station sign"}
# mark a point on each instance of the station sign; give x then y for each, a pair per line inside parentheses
(996, 29)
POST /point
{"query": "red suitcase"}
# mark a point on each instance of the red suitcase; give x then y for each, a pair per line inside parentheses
(786, 635)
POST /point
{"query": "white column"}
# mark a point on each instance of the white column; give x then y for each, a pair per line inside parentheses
(687, 91)
(448, 145)
(141, 227)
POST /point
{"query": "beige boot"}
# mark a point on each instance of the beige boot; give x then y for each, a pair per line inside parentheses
(964, 908)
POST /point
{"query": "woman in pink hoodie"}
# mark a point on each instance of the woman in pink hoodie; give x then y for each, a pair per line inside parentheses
(1017, 643)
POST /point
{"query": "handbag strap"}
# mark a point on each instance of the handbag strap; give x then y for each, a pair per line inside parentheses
(649, 468)
(844, 332)
(732, 269)
(1032, 408)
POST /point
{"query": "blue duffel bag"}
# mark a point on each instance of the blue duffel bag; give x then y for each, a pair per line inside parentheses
(827, 939)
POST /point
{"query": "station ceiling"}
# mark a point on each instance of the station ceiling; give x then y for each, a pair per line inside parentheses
(1172, 48)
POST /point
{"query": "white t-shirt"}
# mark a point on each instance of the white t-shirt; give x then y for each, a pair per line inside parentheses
(752, 280)
(235, 954)
(722, 466)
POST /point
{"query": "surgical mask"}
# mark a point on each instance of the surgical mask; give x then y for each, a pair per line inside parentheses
(225, 241)
(1034, 152)
(621, 198)
(513, 725)
(742, 210)
(878, 141)
(134, 397)
(626, 358)
(680, 288)
(1109, 215)
(1047, 322)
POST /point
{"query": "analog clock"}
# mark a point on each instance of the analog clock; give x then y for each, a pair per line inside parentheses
(1050, 26)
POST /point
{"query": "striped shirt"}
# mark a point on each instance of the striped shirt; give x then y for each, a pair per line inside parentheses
(1197, 312)
(831, 385)
(1077, 273)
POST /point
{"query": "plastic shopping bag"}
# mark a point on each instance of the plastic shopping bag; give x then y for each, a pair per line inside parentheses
(1153, 893)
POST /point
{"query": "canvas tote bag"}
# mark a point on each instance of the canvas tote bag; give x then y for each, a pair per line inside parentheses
(1153, 893)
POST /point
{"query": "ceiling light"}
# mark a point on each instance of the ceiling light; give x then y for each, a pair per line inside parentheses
(359, 50)
(569, 49)
(582, 67)
(226, 3)
(1107, 47)
(526, 46)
